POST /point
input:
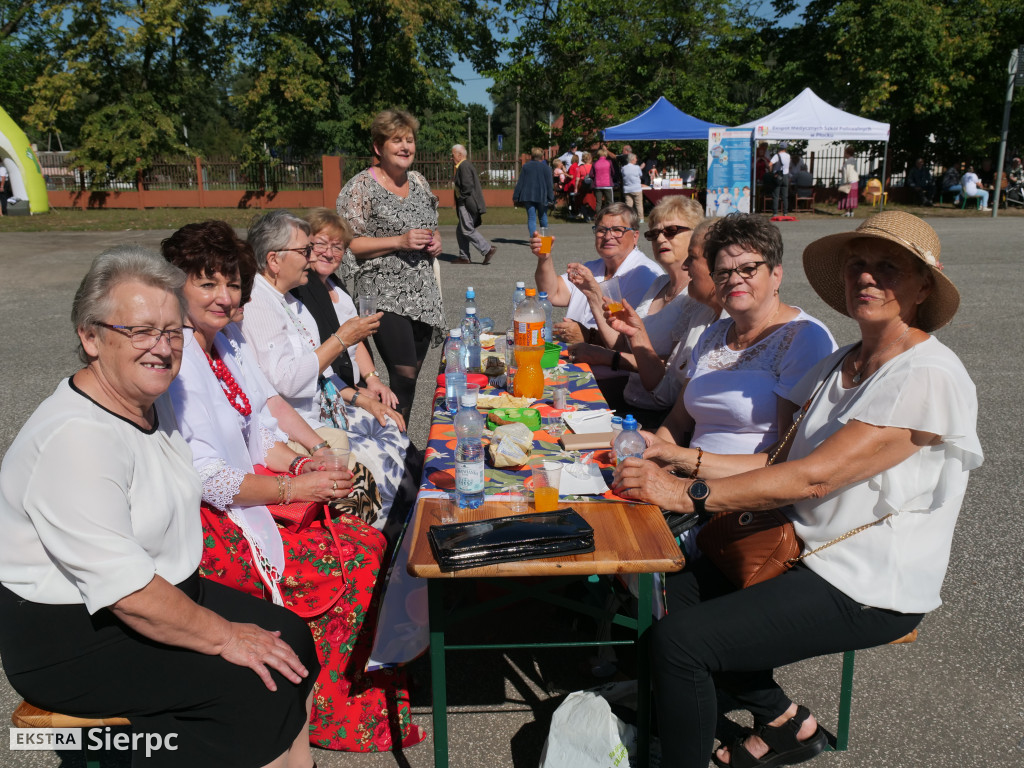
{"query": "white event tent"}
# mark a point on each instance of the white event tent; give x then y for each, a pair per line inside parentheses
(809, 117)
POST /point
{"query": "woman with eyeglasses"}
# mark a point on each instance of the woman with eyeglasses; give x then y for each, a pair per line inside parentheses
(393, 254)
(743, 367)
(238, 428)
(666, 323)
(285, 339)
(102, 611)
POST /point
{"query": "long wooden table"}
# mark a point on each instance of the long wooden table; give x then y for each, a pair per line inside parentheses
(628, 538)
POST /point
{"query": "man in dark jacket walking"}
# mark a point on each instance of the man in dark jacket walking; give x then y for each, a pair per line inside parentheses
(469, 204)
(535, 190)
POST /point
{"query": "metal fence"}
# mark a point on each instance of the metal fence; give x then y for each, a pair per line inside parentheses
(501, 171)
(181, 173)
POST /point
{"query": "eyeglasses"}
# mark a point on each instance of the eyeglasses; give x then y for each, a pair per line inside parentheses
(615, 232)
(670, 231)
(145, 337)
(746, 271)
(328, 247)
(307, 251)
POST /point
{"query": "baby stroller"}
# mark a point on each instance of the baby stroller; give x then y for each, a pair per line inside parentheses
(1015, 194)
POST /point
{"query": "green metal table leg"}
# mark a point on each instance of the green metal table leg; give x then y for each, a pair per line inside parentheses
(645, 586)
(438, 681)
(845, 703)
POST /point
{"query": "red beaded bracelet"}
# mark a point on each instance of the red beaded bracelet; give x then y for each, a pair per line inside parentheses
(298, 464)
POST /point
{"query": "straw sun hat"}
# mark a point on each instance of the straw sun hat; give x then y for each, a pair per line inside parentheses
(823, 264)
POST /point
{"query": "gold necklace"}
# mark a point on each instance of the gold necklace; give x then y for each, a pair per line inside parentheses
(756, 337)
(857, 365)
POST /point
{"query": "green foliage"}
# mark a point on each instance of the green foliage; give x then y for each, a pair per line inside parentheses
(321, 69)
(604, 66)
(935, 71)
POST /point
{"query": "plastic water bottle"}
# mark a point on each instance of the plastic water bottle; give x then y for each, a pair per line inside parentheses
(629, 442)
(616, 431)
(470, 297)
(454, 369)
(469, 454)
(471, 341)
(529, 327)
(518, 296)
(542, 297)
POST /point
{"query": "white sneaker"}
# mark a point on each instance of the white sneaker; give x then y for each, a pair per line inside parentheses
(987, 208)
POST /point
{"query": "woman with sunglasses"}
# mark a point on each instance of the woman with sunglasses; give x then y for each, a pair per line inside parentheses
(665, 318)
(744, 366)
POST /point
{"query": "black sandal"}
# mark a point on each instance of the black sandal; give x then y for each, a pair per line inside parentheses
(783, 746)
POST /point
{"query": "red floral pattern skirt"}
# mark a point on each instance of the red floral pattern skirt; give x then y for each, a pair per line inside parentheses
(331, 572)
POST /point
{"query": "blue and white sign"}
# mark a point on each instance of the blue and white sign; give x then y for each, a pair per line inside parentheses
(729, 171)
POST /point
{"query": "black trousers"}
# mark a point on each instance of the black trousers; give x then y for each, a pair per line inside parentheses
(403, 344)
(716, 635)
(781, 189)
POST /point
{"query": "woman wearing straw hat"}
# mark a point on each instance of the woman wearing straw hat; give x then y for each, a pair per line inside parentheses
(886, 445)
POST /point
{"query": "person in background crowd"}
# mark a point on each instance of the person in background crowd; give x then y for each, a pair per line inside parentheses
(851, 177)
(919, 179)
(974, 188)
(779, 164)
(605, 176)
(470, 207)
(632, 186)
(393, 214)
(585, 187)
(535, 190)
(951, 182)
(1016, 171)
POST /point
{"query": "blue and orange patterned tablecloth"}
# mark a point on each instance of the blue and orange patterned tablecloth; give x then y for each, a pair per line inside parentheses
(439, 461)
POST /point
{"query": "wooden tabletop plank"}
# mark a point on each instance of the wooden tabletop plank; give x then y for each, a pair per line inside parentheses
(628, 538)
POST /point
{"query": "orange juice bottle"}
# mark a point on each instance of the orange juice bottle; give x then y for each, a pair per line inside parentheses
(529, 349)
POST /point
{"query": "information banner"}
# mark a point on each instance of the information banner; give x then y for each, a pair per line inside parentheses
(729, 174)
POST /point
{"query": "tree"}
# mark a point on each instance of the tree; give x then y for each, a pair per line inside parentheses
(123, 78)
(321, 69)
(936, 72)
(602, 68)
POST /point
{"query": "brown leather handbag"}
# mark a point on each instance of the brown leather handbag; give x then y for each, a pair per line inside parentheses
(753, 546)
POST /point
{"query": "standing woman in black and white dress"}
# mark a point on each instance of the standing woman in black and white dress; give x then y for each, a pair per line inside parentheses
(394, 216)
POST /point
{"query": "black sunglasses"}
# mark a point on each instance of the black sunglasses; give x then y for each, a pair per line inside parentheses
(670, 231)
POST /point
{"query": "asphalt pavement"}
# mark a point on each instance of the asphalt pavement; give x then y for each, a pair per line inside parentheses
(952, 699)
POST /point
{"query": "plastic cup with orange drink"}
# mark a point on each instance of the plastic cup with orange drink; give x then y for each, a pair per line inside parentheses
(546, 476)
(545, 239)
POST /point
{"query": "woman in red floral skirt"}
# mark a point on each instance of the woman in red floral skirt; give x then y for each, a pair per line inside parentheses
(238, 429)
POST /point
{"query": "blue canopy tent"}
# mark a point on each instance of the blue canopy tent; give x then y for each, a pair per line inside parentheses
(661, 120)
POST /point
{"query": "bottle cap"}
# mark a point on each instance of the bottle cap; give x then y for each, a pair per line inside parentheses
(531, 291)
(456, 333)
(470, 310)
(616, 420)
(520, 284)
(542, 295)
(469, 292)
(629, 422)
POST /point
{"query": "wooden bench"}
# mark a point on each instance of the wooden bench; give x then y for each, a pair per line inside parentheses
(28, 716)
(846, 694)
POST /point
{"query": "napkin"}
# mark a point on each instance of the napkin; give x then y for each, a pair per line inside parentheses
(581, 479)
(588, 422)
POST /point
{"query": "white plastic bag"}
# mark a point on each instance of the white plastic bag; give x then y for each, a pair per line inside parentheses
(586, 734)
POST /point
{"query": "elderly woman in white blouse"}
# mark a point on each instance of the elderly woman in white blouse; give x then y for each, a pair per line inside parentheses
(284, 338)
(883, 452)
(652, 340)
(102, 611)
